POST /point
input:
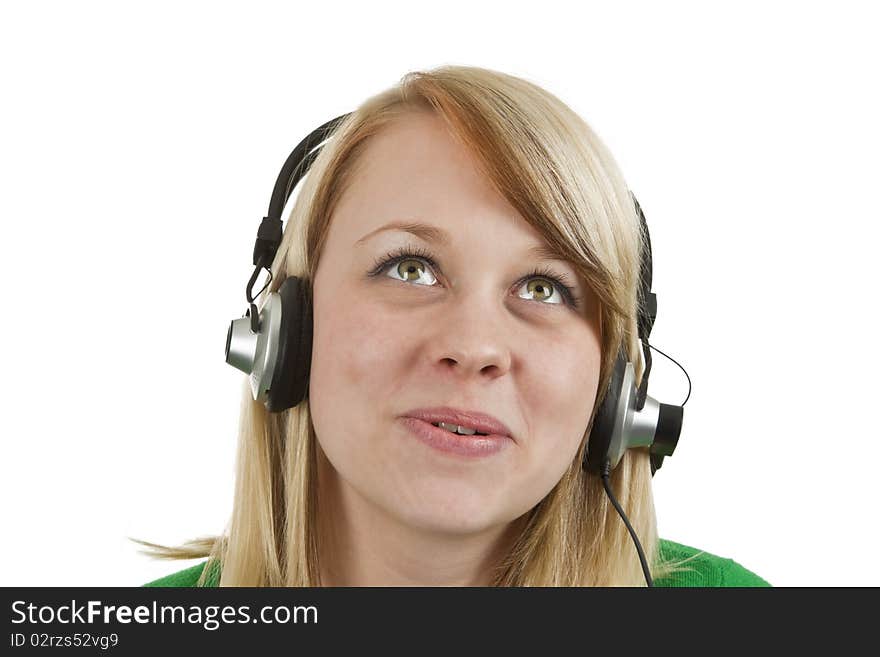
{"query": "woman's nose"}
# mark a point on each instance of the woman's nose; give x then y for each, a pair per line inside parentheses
(471, 338)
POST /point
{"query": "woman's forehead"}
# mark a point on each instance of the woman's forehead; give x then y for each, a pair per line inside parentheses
(414, 177)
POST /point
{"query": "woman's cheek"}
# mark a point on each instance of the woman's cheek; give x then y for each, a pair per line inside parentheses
(366, 340)
(562, 398)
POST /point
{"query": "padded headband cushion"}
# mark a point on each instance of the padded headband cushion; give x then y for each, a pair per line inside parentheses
(290, 382)
(603, 423)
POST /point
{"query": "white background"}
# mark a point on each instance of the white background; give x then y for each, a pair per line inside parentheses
(138, 149)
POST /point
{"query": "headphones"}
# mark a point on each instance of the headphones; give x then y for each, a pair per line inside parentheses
(274, 345)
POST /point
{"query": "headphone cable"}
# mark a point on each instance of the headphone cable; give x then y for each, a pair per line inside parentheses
(606, 471)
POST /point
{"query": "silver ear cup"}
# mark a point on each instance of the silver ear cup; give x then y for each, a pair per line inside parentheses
(632, 428)
(256, 354)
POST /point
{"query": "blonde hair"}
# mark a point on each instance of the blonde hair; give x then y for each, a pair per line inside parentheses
(553, 169)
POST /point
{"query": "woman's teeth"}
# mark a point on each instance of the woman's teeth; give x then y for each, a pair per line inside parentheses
(454, 428)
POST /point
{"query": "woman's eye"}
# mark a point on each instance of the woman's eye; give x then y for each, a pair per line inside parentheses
(411, 269)
(542, 289)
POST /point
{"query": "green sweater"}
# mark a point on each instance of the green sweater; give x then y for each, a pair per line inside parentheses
(704, 570)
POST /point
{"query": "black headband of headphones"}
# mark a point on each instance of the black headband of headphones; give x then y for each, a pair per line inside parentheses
(295, 167)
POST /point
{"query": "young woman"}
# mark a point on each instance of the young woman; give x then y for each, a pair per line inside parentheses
(472, 255)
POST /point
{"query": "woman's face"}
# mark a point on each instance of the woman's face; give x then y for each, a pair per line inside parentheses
(473, 332)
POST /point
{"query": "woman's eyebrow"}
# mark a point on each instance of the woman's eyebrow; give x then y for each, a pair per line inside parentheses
(426, 232)
(437, 235)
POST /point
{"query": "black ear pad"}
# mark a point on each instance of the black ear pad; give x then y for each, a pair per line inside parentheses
(603, 423)
(290, 381)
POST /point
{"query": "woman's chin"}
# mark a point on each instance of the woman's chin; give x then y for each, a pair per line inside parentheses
(443, 516)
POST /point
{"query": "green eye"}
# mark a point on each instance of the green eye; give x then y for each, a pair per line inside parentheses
(410, 269)
(540, 286)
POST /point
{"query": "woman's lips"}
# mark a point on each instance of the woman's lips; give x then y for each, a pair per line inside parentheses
(452, 443)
